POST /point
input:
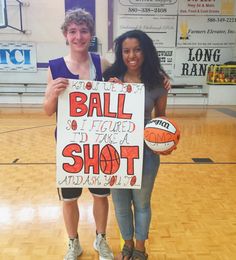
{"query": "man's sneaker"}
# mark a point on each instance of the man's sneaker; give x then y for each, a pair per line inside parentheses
(100, 244)
(74, 250)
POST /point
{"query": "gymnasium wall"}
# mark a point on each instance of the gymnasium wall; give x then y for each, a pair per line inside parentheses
(41, 21)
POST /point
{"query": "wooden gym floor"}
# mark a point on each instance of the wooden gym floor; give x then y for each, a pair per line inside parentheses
(194, 200)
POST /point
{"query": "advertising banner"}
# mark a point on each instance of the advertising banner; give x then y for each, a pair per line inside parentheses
(18, 56)
(200, 7)
(160, 28)
(193, 62)
(210, 31)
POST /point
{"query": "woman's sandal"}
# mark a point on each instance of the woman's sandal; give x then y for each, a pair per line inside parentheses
(126, 251)
(139, 255)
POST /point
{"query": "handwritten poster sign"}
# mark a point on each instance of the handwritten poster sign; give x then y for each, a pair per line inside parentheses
(100, 135)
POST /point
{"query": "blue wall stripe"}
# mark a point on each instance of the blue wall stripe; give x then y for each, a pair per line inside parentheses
(42, 65)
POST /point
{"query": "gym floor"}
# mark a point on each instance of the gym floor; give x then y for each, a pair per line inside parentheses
(193, 203)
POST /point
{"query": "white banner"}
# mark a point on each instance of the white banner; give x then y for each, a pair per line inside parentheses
(157, 18)
(215, 31)
(167, 59)
(18, 56)
(193, 62)
(185, 32)
(100, 135)
(160, 28)
(147, 7)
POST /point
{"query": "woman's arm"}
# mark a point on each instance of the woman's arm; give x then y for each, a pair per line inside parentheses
(160, 110)
(160, 106)
(167, 84)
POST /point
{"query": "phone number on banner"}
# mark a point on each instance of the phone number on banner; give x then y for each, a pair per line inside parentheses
(146, 10)
(222, 19)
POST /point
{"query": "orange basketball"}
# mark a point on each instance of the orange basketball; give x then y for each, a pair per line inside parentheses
(109, 159)
(161, 134)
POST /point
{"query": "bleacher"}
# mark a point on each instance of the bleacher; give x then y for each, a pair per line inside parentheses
(22, 94)
(33, 93)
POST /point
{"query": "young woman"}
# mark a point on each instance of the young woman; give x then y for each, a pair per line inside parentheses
(136, 61)
(78, 29)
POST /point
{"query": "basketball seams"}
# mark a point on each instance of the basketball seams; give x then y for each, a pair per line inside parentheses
(109, 159)
(160, 142)
(161, 147)
(103, 162)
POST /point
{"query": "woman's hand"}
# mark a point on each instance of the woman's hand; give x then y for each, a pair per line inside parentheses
(167, 84)
(115, 80)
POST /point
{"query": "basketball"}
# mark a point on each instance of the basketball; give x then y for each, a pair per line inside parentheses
(161, 134)
(109, 159)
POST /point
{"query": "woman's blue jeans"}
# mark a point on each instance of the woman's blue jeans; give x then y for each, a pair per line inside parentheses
(132, 206)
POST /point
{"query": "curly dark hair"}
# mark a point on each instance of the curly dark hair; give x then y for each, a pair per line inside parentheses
(152, 74)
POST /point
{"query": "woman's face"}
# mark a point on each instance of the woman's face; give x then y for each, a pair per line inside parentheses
(78, 37)
(132, 54)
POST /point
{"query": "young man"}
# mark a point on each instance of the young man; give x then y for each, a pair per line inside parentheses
(78, 29)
